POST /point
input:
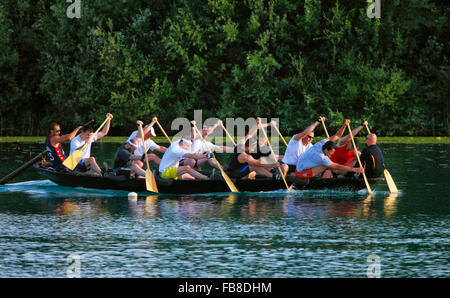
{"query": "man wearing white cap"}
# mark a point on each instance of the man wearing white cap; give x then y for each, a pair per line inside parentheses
(149, 144)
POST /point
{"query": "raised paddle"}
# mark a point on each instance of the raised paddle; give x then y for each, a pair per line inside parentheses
(227, 179)
(73, 159)
(279, 133)
(325, 128)
(389, 181)
(228, 134)
(150, 181)
(21, 168)
(163, 131)
(271, 150)
(359, 161)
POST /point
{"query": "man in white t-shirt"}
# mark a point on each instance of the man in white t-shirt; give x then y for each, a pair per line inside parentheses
(317, 159)
(88, 162)
(149, 144)
(198, 146)
(169, 168)
(298, 144)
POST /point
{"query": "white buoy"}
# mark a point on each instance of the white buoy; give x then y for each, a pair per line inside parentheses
(132, 195)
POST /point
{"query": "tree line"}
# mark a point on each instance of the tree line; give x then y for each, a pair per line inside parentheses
(290, 59)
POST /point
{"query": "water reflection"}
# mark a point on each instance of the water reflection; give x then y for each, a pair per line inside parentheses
(231, 206)
(390, 204)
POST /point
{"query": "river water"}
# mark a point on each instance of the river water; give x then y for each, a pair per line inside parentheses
(45, 227)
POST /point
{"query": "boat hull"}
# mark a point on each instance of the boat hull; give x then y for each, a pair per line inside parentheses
(121, 182)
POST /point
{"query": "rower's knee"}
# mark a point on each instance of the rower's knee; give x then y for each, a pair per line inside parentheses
(284, 169)
(138, 163)
(90, 160)
(327, 174)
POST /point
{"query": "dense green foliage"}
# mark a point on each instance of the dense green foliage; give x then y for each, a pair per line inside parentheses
(291, 59)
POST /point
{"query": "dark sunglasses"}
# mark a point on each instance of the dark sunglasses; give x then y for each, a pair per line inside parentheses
(311, 137)
(57, 130)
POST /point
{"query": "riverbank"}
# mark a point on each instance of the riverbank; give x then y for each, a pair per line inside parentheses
(159, 139)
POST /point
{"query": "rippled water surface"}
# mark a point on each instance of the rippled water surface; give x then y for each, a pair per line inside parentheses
(275, 234)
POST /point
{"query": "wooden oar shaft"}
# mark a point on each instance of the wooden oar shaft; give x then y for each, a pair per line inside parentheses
(101, 126)
(143, 143)
(274, 155)
(19, 170)
(357, 157)
(163, 131)
(325, 128)
(367, 127)
(149, 178)
(279, 133)
(230, 184)
(228, 134)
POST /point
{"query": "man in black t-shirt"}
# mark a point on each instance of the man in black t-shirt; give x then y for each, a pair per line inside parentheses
(372, 158)
(126, 159)
(247, 157)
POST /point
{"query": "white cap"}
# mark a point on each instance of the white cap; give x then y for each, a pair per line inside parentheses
(152, 131)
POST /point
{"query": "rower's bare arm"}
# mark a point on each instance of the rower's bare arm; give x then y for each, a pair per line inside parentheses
(346, 168)
(146, 128)
(343, 140)
(161, 149)
(135, 157)
(246, 158)
(194, 155)
(308, 130)
(340, 132)
(105, 129)
(65, 138)
(210, 130)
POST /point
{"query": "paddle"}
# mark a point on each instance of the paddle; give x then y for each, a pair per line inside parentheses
(229, 136)
(271, 150)
(359, 161)
(389, 181)
(280, 135)
(74, 158)
(150, 181)
(163, 131)
(325, 128)
(23, 167)
(227, 179)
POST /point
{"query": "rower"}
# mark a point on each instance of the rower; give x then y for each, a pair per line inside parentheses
(53, 145)
(88, 163)
(317, 159)
(126, 157)
(198, 146)
(243, 162)
(149, 144)
(372, 158)
(345, 154)
(169, 168)
(297, 145)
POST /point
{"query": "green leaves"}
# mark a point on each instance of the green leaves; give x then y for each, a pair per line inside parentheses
(291, 59)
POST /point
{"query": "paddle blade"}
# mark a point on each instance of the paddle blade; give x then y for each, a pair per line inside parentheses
(73, 159)
(150, 181)
(230, 183)
(390, 182)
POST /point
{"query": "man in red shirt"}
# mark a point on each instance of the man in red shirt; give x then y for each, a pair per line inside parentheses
(344, 153)
(53, 144)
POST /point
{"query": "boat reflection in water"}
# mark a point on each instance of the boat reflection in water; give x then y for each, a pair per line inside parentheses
(246, 206)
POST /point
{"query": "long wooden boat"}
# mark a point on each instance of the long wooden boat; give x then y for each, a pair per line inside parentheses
(120, 181)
